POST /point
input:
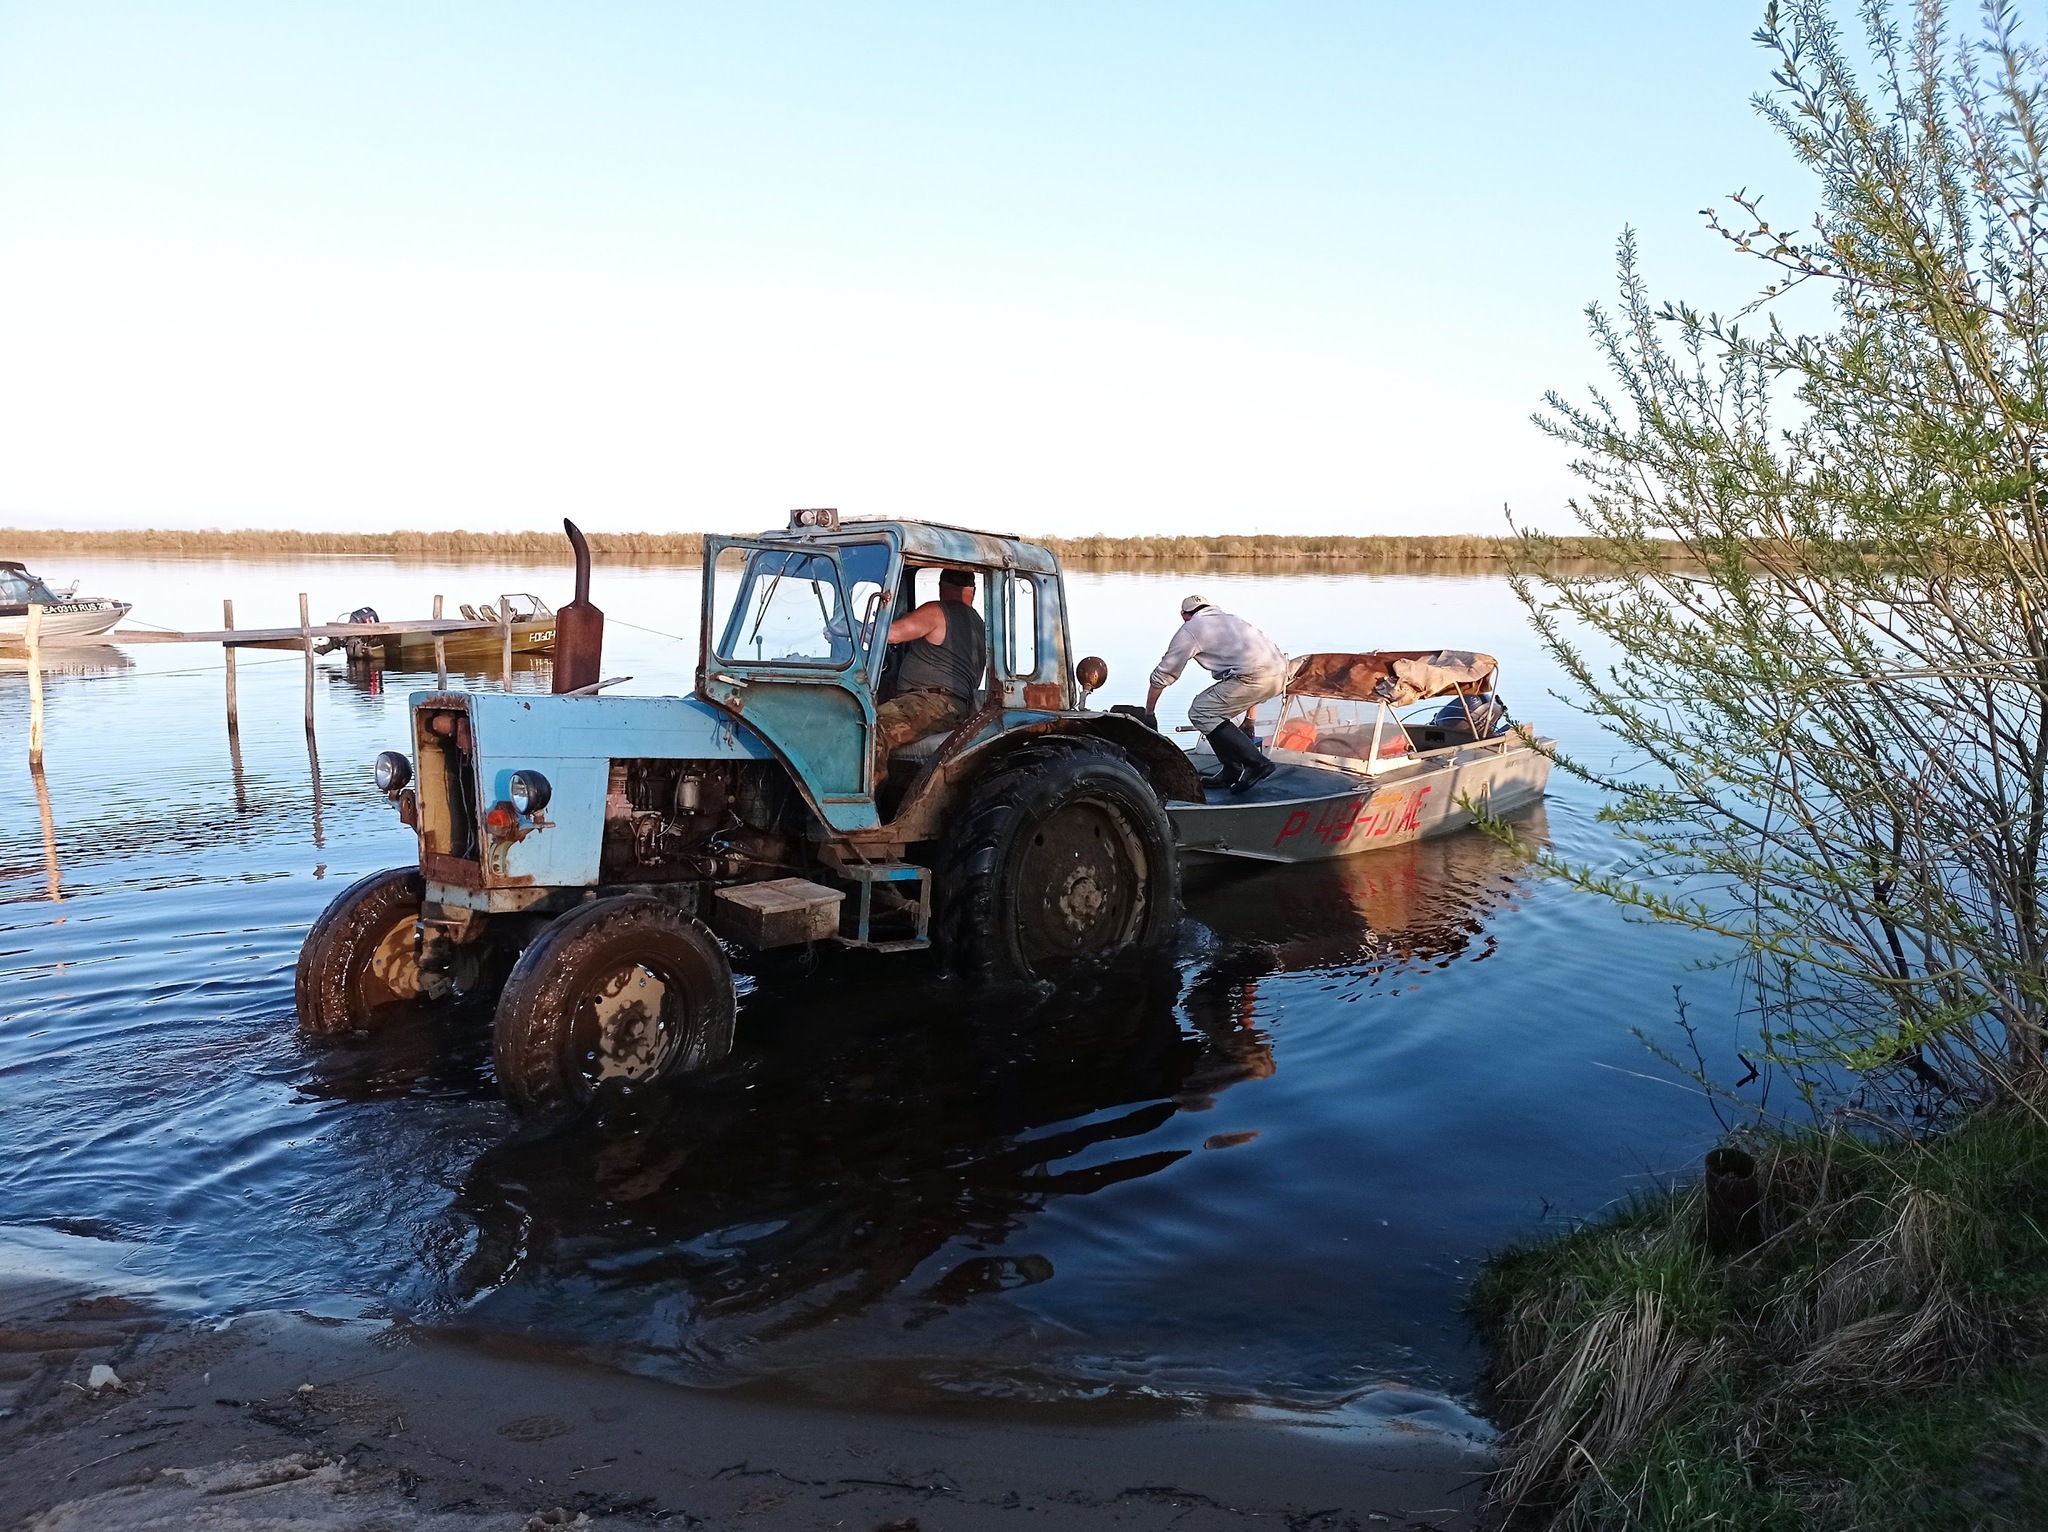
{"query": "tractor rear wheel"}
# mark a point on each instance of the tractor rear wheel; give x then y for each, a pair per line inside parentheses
(1064, 853)
(362, 956)
(621, 992)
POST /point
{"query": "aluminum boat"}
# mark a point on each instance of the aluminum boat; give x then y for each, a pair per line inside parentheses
(65, 614)
(1360, 766)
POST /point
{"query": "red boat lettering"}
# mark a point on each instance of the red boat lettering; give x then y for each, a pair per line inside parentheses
(1412, 819)
(1333, 825)
(1345, 821)
(1338, 822)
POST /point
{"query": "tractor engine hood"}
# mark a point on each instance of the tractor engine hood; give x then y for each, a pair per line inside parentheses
(571, 742)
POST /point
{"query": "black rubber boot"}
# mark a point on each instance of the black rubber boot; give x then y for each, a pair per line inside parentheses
(1242, 752)
(1228, 770)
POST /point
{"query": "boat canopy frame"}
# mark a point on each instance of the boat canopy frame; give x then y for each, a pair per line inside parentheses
(1385, 680)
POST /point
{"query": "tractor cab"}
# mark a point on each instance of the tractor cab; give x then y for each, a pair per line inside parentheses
(795, 643)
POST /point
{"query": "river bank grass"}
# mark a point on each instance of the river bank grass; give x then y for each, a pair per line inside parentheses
(1277, 553)
(1876, 1360)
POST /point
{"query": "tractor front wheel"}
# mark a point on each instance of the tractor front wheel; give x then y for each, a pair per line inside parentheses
(362, 956)
(621, 992)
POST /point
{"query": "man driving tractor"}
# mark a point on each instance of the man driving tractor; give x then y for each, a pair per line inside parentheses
(944, 661)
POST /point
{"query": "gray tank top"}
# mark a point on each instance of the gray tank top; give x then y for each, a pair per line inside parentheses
(954, 666)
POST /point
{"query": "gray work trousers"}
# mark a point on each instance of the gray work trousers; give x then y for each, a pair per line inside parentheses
(1233, 698)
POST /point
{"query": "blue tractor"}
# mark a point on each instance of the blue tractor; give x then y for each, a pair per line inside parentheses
(590, 859)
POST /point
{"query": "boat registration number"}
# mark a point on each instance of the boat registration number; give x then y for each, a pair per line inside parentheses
(1337, 823)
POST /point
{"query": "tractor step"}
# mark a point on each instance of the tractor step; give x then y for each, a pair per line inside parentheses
(866, 877)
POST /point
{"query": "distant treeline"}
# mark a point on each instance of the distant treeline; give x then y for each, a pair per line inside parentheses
(1276, 551)
(520, 547)
(1464, 552)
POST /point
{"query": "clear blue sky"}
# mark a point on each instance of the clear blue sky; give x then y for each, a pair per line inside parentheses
(1059, 267)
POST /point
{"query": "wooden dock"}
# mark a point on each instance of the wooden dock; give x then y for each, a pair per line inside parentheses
(237, 638)
(231, 638)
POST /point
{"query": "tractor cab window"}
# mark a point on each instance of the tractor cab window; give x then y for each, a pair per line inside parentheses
(866, 567)
(921, 584)
(788, 608)
(1023, 625)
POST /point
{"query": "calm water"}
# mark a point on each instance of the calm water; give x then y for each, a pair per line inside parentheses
(1262, 1172)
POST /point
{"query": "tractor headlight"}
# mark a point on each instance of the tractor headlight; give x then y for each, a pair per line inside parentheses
(529, 792)
(393, 771)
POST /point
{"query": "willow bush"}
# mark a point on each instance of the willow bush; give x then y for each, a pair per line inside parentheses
(1833, 707)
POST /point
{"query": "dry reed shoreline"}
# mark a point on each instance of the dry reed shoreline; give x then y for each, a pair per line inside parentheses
(1279, 552)
(1869, 1354)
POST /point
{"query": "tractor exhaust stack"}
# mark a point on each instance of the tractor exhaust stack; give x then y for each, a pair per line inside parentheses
(579, 626)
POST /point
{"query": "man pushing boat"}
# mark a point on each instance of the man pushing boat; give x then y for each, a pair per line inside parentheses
(1248, 668)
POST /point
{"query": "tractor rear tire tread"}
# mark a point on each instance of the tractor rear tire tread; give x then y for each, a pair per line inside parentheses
(971, 913)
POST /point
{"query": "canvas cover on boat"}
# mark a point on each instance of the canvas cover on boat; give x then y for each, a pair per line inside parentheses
(1393, 676)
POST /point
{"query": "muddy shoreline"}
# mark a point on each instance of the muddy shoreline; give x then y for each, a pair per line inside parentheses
(279, 1419)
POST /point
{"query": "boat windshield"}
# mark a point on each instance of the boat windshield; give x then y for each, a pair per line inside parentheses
(1376, 731)
(19, 588)
(1338, 726)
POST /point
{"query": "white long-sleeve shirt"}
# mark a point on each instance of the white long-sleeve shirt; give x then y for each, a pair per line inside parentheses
(1225, 646)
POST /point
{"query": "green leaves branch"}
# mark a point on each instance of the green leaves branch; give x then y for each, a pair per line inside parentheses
(1838, 701)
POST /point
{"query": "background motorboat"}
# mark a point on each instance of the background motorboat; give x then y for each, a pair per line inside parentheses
(65, 614)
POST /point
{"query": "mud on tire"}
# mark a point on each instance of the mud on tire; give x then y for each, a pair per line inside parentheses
(1064, 853)
(622, 991)
(362, 955)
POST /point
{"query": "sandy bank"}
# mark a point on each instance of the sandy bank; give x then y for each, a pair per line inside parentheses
(282, 1421)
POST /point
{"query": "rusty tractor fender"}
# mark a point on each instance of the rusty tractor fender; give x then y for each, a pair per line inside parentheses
(923, 813)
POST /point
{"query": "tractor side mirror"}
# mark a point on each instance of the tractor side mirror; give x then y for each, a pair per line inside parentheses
(1093, 674)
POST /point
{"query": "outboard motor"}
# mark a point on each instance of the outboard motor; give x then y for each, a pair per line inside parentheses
(579, 626)
(360, 651)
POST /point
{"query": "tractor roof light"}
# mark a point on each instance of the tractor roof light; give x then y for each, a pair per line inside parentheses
(529, 792)
(822, 518)
(393, 771)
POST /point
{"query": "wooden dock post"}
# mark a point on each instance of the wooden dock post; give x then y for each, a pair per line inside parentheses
(33, 639)
(53, 870)
(440, 653)
(313, 756)
(505, 622)
(306, 633)
(235, 766)
(227, 613)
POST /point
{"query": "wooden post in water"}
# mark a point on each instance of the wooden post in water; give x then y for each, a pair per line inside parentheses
(227, 620)
(306, 633)
(53, 871)
(440, 653)
(312, 746)
(505, 626)
(313, 755)
(235, 765)
(33, 638)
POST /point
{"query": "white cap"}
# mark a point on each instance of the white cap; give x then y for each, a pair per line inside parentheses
(1193, 604)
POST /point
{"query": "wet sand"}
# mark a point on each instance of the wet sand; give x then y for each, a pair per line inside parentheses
(281, 1420)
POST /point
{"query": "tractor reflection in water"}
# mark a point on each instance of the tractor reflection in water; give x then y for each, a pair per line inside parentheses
(875, 1122)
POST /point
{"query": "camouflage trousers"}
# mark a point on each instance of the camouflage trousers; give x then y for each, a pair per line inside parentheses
(912, 716)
